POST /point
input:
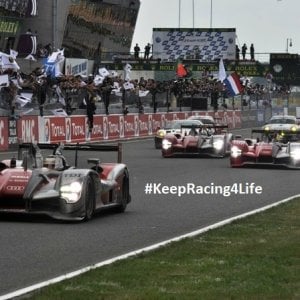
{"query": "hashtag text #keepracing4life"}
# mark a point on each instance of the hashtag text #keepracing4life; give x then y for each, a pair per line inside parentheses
(210, 189)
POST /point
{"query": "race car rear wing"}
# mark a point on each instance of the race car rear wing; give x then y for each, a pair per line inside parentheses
(209, 126)
(57, 148)
(95, 147)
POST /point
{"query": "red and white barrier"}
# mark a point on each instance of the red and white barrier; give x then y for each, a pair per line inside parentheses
(73, 129)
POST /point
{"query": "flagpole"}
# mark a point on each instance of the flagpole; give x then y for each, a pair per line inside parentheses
(211, 7)
(179, 11)
(193, 14)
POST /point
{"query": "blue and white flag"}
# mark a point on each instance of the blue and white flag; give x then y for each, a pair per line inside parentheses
(53, 64)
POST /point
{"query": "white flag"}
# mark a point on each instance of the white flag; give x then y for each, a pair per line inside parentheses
(30, 57)
(103, 72)
(61, 98)
(114, 74)
(128, 85)
(59, 112)
(8, 62)
(143, 93)
(127, 70)
(13, 53)
(98, 79)
(4, 80)
(222, 73)
(22, 100)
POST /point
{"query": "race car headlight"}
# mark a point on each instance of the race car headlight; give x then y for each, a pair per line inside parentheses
(218, 144)
(295, 154)
(267, 128)
(71, 192)
(166, 144)
(293, 128)
(235, 151)
(161, 133)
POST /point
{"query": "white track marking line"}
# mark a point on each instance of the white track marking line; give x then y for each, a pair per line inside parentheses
(37, 286)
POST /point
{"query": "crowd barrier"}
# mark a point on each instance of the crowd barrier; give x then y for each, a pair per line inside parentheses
(75, 129)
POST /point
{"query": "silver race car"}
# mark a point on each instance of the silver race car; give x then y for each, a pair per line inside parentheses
(37, 184)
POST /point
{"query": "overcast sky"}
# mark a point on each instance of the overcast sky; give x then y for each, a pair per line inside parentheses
(268, 24)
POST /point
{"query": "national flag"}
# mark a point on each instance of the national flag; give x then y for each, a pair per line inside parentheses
(54, 63)
(233, 84)
(222, 73)
(181, 70)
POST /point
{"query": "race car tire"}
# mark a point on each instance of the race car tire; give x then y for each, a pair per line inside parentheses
(125, 194)
(157, 145)
(89, 198)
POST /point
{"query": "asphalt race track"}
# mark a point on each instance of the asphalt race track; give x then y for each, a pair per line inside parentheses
(38, 249)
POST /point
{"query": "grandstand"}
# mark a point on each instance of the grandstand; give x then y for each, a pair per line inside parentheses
(84, 28)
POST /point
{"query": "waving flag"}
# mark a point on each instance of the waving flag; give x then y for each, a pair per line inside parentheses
(8, 62)
(127, 70)
(222, 73)
(54, 63)
(233, 84)
(181, 70)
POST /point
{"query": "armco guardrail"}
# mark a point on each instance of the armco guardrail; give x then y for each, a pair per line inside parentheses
(75, 128)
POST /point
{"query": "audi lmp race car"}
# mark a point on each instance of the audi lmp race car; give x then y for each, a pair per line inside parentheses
(32, 184)
(172, 127)
(285, 122)
(201, 140)
(276, 148)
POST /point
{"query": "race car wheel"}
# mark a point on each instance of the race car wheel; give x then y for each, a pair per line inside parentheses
(125, 195)
(89, 196)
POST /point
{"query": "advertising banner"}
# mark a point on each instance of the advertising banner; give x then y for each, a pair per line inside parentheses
(76, 66)
(203, 44)
(28, 129)
(3, 133)
(75, 129)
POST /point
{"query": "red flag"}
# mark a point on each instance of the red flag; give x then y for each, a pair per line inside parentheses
(181, 70)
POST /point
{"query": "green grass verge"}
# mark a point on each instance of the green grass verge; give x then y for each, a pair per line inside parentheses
(254, 258)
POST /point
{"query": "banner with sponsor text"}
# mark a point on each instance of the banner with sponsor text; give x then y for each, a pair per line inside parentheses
(75, 129)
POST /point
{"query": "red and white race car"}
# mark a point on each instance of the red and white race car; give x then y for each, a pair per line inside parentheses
(274, 148)
(199, 140)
